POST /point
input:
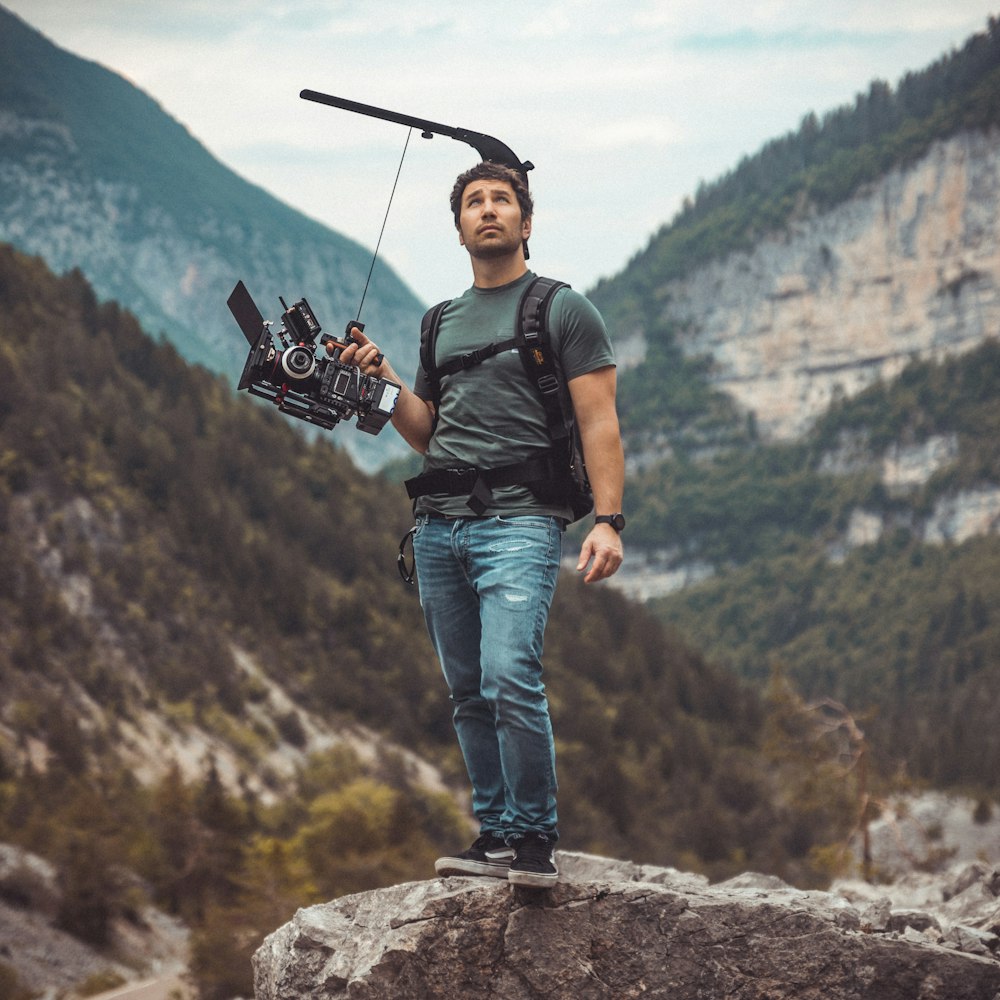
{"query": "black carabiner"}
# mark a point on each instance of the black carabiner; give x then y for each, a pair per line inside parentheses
(407, 574)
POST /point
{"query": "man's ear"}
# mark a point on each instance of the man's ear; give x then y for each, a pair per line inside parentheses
(526, 228)
(461, 238)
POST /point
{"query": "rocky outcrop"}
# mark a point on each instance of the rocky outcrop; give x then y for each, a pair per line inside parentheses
(617, 930)
(909, 268)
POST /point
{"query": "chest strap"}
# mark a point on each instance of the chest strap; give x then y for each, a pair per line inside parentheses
(474, 358)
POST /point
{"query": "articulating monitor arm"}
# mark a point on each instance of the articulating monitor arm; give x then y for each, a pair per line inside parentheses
(487, 147)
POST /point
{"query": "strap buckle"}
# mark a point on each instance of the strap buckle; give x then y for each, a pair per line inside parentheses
(548, 384)
(461, 480)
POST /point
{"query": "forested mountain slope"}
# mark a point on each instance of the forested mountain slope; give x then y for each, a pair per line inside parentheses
(870, 564)
(815, 487)
(213, 675)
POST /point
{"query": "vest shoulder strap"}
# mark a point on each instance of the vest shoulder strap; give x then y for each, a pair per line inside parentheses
(533, 340)
(429, 327)
(531, 337)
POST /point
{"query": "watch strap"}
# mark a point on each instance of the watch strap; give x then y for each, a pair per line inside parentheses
(617, 521)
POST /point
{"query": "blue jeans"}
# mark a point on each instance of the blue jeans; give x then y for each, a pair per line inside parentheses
(486, 585)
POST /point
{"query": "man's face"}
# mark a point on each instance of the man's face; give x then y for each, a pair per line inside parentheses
(490, 223)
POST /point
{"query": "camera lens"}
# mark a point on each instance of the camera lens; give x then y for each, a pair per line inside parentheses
(298, 362)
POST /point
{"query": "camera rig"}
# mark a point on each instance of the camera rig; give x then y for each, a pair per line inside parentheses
(309, 382)
(304, 380)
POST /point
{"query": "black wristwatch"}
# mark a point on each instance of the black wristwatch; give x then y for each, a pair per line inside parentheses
(617, 521)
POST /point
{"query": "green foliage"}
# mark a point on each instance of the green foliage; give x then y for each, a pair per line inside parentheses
(745, 503)
(739, 504)
(233, 873)
(668, 399)
(957, 396)
(900, 630)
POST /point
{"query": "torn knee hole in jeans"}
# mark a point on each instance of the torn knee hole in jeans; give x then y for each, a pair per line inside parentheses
(516, 598)
(512, 545)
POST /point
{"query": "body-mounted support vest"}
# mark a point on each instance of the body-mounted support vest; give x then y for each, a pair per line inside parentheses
(556, 475)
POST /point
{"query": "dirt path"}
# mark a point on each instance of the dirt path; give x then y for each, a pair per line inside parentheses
(163, 988)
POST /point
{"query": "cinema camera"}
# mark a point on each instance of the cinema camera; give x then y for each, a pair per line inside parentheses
(304, 381)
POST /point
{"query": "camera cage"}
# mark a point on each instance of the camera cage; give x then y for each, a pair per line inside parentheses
(301, 378)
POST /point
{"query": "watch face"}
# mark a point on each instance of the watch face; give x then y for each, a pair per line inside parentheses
(617, 521)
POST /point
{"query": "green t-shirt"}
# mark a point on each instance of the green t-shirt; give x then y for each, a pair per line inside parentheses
(490, 415)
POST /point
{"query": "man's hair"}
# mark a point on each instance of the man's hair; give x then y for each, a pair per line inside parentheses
(488, 170)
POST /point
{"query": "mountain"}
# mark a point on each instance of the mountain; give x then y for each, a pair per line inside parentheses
(869, 561)
(834, 255)
(906, 268)
(95, 174)
(816, 488)
(218, 695)
(212, 679)
(823, 264)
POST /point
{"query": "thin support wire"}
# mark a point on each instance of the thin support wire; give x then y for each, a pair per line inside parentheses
(385, 219)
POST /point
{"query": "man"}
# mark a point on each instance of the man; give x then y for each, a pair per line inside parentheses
(487, 571)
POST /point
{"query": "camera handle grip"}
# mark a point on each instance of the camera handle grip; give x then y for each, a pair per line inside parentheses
(357, 325)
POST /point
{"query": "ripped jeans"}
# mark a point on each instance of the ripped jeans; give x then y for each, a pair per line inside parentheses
(486, 585)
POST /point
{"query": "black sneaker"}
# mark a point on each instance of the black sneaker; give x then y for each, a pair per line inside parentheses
(534, 863)
(489, 855)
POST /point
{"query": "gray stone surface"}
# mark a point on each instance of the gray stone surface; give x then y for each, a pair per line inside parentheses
(635, 932)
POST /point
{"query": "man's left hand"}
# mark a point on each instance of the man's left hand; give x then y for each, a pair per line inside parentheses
(602, 552)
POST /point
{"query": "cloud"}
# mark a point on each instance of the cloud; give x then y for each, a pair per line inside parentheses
(633, 132)
(601, 97)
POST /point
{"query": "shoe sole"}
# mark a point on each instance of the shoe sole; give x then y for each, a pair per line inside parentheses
(453, 866)
(532, 880)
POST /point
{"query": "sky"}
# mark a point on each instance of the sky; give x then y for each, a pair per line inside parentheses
(623, 106)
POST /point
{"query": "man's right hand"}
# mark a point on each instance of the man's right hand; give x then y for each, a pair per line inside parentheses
(413, 416)
(363, 353)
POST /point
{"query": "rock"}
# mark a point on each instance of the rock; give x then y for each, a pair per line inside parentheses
(876, 915)
(28, 881)
(971, 940)
(967, 876)
(635, 932)
(918, 920)
(51, 962)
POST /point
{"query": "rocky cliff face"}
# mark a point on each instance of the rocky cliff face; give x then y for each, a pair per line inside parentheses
(910, 268)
